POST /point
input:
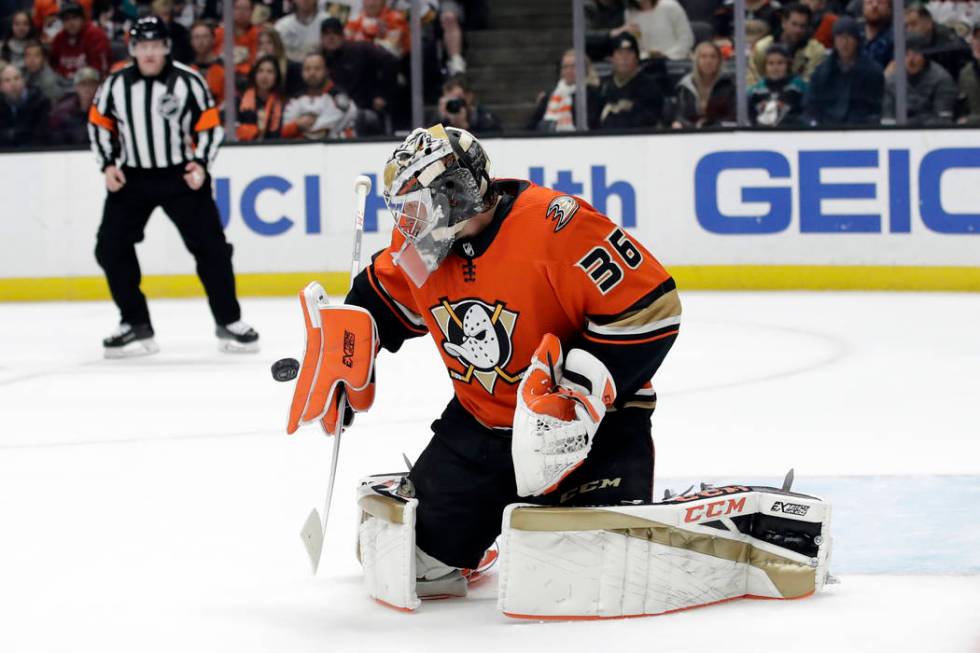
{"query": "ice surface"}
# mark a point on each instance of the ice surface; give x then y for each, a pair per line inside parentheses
(155, 504)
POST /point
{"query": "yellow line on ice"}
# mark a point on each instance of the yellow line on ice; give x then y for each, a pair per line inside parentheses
(689, 277)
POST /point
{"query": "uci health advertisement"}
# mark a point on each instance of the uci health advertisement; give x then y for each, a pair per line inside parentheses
(894, 200)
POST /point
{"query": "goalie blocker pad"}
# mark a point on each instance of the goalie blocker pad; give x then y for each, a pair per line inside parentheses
(386, 540)
(694, 550)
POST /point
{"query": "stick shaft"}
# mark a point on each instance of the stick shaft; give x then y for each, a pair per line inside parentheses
(361, 188)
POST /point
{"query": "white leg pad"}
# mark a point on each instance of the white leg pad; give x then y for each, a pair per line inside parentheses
(619, 561)
(386, 542)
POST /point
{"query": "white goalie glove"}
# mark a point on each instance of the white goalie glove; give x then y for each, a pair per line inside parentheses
(560, 403)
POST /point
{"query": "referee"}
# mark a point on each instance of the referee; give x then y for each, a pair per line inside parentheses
(155, 129)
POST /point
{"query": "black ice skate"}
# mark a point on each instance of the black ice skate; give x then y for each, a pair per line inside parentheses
(129, 341)
(237, 337)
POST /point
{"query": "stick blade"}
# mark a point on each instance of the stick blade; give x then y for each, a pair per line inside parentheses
(312, 536)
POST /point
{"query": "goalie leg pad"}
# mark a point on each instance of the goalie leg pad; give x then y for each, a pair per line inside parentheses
(690, 551)
(386, 541)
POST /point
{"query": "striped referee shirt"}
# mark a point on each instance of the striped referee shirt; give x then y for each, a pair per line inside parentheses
(158, 122)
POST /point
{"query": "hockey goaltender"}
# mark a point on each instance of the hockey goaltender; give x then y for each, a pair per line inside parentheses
(551, 321)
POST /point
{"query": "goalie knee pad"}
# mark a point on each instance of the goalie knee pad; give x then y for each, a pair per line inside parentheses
(693, 550)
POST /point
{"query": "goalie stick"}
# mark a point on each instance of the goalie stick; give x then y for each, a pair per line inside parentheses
(314, 529)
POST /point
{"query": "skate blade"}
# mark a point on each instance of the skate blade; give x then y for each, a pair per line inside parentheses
(235, 347)
(132, 350)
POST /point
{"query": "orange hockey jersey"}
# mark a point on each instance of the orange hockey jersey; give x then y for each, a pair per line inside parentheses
(547, 263)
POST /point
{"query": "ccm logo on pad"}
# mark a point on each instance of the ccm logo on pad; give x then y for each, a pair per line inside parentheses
(714, 510)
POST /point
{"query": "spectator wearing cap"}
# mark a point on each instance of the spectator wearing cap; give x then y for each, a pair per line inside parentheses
(21, 33)
(379, 24)
(823, 22)
(322, 110)
(879, 38)
(69, 117)
(206, 62)
(664, 28)
(23, 110)
(628, 98)
(931, 92)
(805, 53)
(847, 88)
(38, 73)
(970, 82)
(367, 72)
(942, 44)
(777, 99)
(246, 38)
(300, 31)
(557, 111)
(270, 43)
(458, 107)
(47, 17)
(705, 96)
(261, 107)
(79, 44)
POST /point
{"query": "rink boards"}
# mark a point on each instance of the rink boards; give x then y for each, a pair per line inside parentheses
(808, 210)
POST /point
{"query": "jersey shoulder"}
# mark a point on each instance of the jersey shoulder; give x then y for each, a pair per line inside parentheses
(187, 71)
(557, 221)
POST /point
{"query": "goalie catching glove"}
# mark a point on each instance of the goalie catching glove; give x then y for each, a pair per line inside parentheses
(560, 403)
(338, 362)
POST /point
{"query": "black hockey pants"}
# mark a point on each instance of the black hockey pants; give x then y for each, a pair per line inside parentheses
(196, 216)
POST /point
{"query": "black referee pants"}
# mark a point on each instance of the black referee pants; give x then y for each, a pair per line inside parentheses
(196, 216)
(465, 478)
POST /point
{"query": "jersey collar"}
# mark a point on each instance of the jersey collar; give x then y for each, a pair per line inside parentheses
(474, 247)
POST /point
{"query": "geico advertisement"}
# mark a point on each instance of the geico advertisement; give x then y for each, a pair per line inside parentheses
(833, 198)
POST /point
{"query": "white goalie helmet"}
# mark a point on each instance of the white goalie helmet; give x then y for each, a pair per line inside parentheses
(435, 181)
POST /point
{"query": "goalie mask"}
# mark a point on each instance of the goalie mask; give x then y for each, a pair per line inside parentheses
(435, 181)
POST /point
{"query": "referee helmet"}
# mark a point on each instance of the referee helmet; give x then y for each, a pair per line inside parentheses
(149, 28)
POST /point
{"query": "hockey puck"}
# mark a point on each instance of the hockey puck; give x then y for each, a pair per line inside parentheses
(285, 369)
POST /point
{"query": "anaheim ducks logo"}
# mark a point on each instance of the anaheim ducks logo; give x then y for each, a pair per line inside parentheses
(480, 337)
(562, 210)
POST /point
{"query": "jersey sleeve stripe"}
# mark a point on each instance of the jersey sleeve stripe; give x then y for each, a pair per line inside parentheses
(409, 320)
(663, 312)
(96, 118)
(208, 120)
(628, 340)
(651, 297)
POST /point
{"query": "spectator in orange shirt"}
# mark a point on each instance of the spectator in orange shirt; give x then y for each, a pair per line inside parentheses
(260, 109)
(246, 38)
(210, 66)
(382, 26)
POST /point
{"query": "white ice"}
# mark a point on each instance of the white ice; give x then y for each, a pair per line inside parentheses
(154, 505)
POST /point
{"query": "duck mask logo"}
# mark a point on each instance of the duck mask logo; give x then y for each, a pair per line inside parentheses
(480, 336)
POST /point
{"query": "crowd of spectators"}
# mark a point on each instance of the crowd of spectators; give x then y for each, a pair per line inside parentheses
(670, 63)
(315, 69)
(304, 69)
